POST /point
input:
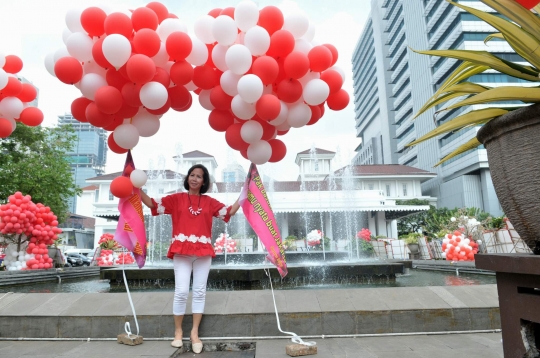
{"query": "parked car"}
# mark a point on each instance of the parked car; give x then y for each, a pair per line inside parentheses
(85, 260)
(73, 261)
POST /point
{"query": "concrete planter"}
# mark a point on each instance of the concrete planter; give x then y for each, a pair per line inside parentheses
(513, 150)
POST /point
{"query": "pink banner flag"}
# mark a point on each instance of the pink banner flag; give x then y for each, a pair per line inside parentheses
(130, 231)
(258, 212)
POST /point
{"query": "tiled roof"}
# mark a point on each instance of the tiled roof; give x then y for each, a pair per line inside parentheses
(90, 187)
(384, 169)
(196, 154)
(169, 174)
(317, 151)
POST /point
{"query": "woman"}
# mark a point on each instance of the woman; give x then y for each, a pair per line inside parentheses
(191, 246)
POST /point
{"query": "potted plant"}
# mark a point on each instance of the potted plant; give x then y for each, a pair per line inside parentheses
(508, 134)
(411, 240)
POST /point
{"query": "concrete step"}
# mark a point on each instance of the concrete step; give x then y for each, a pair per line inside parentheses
(10, 278)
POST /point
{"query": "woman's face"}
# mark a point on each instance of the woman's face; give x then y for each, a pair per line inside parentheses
(195, 180)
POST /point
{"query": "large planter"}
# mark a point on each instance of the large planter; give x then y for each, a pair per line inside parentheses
(513, 147)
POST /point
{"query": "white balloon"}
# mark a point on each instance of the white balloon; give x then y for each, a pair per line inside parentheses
(79, 45)
(259, 152)
(2, 60)
(13, 123)
(316, 92)
(250, 88)
(238, 59)
(246, 15)
(153, 95)
(61, 52)
(283, 126)
(168, 26)
(301, 45)
(199, 52)
(282, 116)
(73, 20)
(4, 78)
(126, 136)
(204, 100)
(147, 124)
(308, 77)
(299, 115)
(49, 63)
(310, 33)
(65, 35)
(191, 86)
(229, 82)
(138, 178)
(161, 58)
(90, 83)
(297, 24)
(11, 107)
(93, 67)
(257, 40)
(339, 70)
(241, 109)
(116, 49)
(224, 30)
(203, 29)
(251, 131)
(218, 57)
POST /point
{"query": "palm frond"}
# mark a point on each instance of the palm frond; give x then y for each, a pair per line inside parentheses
(473, 143)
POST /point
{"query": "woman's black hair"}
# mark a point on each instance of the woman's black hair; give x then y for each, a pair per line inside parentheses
(206, 178)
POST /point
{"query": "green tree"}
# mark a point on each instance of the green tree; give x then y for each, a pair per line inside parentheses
(33, 161)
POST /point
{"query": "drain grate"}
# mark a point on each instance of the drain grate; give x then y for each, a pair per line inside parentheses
(219, 350)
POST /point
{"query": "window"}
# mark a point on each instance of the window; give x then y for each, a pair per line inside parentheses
(97, 196)
(160, 191)
(370, 186)
(111, 197)
(316, 167)
(404, 189)
(387, 189)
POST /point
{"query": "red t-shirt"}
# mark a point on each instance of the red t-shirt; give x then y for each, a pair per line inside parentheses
(191, 234)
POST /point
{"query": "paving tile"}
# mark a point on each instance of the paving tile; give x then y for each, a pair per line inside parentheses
(56, 304)
(263, 302)
(24, 304)
(366, 299)
(216, 302)
(333, 300)
(239, 302)
(153, 304)
(301, 301)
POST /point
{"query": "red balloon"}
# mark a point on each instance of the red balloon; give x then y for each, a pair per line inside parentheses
(117, 120)
(114, 78)
(271, 18)
(13, 64)
(13, 88)
(180, 96)
(281, 44)
(172, 16)
(215, 12)
(130, 92)
(78, 108)
(228, 11)
(144, 18)
(296, 65)
(96, 117)
(289, 91)
(146, 42)
(220, 99)
(268, 130)
(244, 153)
(334, 52)
(97, 54)
(320, 58)
(93, 21)
(68, 70)
(233, 138)
(160, 10)
(118, 23)
(121, 187)
(162, 77)
(108, 99)
(140, 69)
(315, 115)
(126, 111)
(28, 93)
(220, 120)
(268, 107)
(5, 128)
(187, 106)
(31, 116)
(528, 4)
(161, 110)
(338, 101)
(181, 73)
(279, 150)
(178, 45)
(266, 68)
(333, 79)
(205, 77)
(282, 132)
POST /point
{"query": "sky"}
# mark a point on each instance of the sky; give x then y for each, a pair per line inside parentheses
(31, 29)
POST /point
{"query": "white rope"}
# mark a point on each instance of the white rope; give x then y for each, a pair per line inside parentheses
(295, 338)
(127, 326)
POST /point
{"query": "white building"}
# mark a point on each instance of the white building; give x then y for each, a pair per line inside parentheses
(340, 203)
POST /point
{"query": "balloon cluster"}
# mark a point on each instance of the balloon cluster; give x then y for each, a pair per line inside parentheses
(458, 248)
(15, 97)
(107, 242)
(131, 68)
(264, 75)
(224, 242)
(122, 187)
(364, 234)
(29, 228)
(106, 258)
(314, 238)
(125, 258)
